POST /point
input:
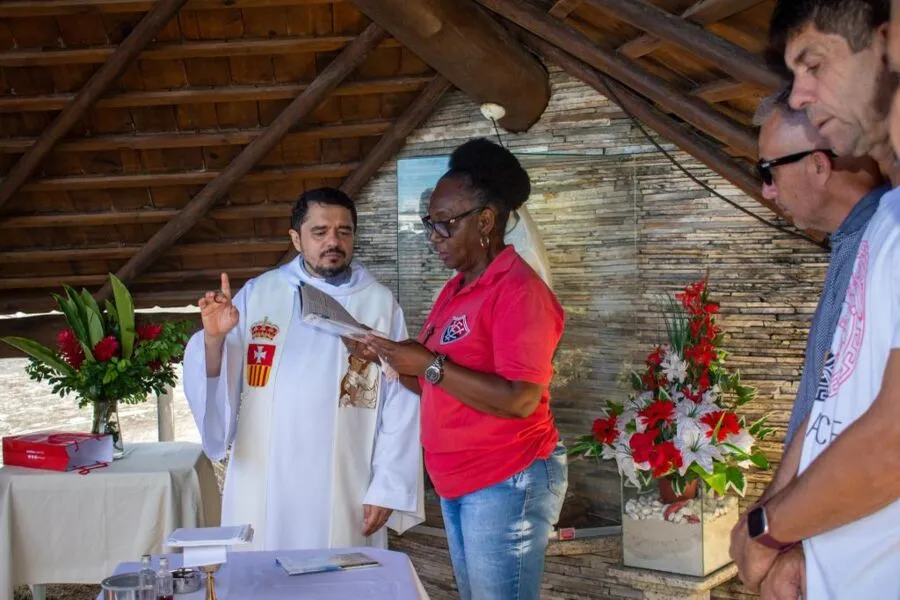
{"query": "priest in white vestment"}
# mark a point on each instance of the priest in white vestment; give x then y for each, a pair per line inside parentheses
(324, 447)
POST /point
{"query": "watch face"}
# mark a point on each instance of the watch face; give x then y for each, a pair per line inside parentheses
(432, 374)
(756, 522)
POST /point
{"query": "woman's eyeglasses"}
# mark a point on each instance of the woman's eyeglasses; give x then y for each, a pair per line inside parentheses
(764, 167)
(443, 227)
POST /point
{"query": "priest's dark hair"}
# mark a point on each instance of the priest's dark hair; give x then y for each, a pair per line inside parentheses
(324, 195)
(494, 175)
(853, 20)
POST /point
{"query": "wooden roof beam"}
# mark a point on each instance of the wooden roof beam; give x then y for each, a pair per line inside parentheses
(703, 12)
(698, 147)
(184, 50)
(78, 281)
(692, 110)
(109, 218)
(228, 93)
(127, 51)
(11, 9)
(563, 8)
(199, 177)
(298, 109)
(722, 90)
(57, 255)
(731, 58)
(464, 44)
(391, 142)
(197, 139)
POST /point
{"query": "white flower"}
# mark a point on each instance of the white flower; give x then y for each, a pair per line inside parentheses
(627, 417)
(639, 402)
(621, 451)
(696, 447)
(676, 394)
(674, 368)
(712, 394)
(742, 440)
(689, 412)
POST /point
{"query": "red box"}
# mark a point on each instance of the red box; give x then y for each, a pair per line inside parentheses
(57, 450)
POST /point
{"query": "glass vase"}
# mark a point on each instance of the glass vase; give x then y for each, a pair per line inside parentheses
(687, 536)
(106, 422)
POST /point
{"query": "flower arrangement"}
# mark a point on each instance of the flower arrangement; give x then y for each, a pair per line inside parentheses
(103, 357)
(681, 422)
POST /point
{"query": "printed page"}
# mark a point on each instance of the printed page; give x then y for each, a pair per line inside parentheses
(324, 312)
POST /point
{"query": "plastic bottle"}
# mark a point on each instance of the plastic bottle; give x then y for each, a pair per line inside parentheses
(147, 578)
(165, 586)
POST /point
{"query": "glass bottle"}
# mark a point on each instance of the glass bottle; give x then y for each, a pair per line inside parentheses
(147, 579)
(165, 586)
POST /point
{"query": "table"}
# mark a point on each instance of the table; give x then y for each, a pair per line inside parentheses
(64, 527)
(255, 575)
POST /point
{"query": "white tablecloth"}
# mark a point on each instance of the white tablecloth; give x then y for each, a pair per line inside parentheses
(255, 576)
(58, 527)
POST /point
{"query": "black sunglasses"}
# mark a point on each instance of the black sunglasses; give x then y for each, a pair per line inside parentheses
(764, 167)
(443, 227)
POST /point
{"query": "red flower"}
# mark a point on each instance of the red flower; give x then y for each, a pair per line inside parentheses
(106, 348)
(654, 359)
(730, 424)
(703, 382)
(604, 430)
(148, 332)
(642, 445)
(664, 458)
(660, 411)
(691, 394)
(711, 308)
(154, 365)
(702, 354)
(70, 348)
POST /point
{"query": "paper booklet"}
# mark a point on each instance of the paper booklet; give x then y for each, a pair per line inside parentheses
(188, 537)
(324, 312)
(323, 564)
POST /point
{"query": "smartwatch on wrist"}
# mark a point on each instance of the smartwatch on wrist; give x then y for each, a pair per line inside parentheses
(758, 529)
(435, 371)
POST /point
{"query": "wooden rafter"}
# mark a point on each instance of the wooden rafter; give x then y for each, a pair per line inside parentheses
(184, 50)
(141, 217)
(702, 13)
(475, 53)
(199, 177)
(391, 142)
(127, 51)
(692, 110)
(721, 91)
(304, 104)
(125, 252)
(78, 281)
(731, 58)
(698, 147)
(203, 95)
(11, 9)
(198, 139)
(564, 8)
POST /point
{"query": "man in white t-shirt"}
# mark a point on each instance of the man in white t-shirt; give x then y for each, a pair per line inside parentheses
(844, 503)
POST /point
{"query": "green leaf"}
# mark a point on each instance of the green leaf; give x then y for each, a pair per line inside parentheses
(735, 479)
(737, 451)
(94, 317)
(73, 318)
(125, 312)
(759, 459)
(111, 311)
(40, 353)
(717, 481)
(636, 382)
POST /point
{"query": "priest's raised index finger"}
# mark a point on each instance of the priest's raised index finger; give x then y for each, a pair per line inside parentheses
(226, 286)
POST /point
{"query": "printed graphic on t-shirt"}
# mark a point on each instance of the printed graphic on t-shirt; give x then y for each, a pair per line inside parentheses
(825, 381)
(852, 326)
(456, 330)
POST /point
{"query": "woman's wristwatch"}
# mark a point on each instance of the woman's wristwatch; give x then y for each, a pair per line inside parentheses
(435, 371)
(758, 530)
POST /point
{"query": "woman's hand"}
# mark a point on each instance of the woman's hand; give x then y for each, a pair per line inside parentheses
(361, 351)
(408, 357)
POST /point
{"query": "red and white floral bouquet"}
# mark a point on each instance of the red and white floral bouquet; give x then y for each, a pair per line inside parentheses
(681, 422)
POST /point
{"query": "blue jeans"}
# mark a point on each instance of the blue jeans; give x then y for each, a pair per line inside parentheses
(498, 535)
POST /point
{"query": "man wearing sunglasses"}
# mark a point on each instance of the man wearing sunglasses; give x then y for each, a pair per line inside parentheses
(836, 195)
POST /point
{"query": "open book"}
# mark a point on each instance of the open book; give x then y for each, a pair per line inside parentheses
(324, 312)
(323, 564)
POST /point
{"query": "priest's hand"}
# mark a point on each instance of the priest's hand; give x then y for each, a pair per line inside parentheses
(218, 314)
(374, 518)
(408, 357)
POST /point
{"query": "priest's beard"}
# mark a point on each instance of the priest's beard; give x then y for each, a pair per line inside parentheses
(330, 271)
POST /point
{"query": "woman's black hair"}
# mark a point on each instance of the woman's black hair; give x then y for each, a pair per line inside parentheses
(494, 175)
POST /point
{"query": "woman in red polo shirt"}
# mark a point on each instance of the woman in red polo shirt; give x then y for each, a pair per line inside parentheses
(483, 364)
